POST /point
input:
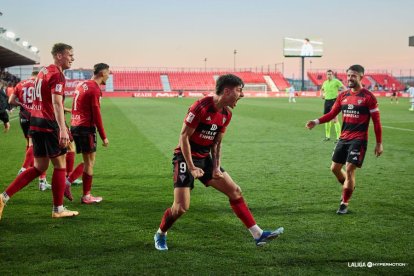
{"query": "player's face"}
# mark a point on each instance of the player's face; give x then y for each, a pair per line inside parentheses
(354, 79)
(233, 95)
(105, 75)
(329, 75)
(65, 59)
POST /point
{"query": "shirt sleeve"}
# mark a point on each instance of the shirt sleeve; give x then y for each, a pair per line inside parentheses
(57, 83)
(97, 118)
(193, 117)
(336, 108)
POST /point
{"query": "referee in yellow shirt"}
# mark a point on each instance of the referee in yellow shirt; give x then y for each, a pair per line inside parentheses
(329, 92)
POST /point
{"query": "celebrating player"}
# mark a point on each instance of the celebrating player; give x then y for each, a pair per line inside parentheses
(86, 117)
(23, 97)
(48, 131)
(198, 156)
(358, 105)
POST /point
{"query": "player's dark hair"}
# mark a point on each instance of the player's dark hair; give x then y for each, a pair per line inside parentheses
(357, 68)
(307, 39)
(330, 71)
(97, 68)
(60, 48)
(228, 80)
(35, 73)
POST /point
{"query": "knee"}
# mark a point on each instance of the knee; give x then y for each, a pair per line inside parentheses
(236, 193)
(179, 210)
(335, 169)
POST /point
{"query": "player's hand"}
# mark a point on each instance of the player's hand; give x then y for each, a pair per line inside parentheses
(310, 124)
(378, 149)
(197, 172)
(105, 142)
(217, 173)
(63, 138)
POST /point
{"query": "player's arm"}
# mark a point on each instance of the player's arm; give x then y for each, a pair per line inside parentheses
(58, 109)
(67, 110)
(375, 115)
(97, 118)
(185, 135)
(322, 93)
(328, 116)
(13, 100)
(216, 155)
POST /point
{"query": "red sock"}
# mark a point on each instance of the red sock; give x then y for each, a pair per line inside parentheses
(43, 175)
(58, 185)
(87, 183)
(70, 162)
(167, 220)
(22, 180)
(76, 173)
(242, 211)
(28, 160)
(346, 195)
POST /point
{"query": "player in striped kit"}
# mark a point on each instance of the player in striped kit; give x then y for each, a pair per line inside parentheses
(358, 106)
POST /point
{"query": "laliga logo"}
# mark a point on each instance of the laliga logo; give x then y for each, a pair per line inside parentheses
(213, 127)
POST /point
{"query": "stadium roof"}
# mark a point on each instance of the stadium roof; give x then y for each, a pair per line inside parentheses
(12, 54)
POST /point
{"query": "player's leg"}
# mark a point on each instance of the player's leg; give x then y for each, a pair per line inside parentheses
(348, 188)
(180, 206)
(89, 162)
(22, 180)
(339, 173)
(227, 186)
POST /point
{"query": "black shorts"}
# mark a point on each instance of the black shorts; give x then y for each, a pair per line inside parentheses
(4, 117)
(394, 94)
(352, 151)
(46, 144)
(25, 125)
(328, 105)
(85, 143)
(183, 178)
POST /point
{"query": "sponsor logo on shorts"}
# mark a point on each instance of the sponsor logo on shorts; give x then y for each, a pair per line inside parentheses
(59, 88)
(355, 153)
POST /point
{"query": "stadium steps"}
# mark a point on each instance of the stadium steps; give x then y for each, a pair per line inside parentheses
(270, 83)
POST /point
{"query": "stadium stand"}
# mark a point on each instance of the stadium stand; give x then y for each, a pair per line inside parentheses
(133, 80)
(371, 80)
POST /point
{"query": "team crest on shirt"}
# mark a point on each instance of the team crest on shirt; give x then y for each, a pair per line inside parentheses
(359, 101)
(58, 88)
(190, 117)
(224, 120)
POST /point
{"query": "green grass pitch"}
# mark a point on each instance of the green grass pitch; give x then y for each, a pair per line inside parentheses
(282, 168)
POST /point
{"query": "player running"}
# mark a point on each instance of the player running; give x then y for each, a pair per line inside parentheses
(86, 117)
(198, 156)
(23, 97)
(48, 131)
(358, 105)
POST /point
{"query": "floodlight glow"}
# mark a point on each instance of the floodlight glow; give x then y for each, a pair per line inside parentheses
(33, 49)
(25, 43)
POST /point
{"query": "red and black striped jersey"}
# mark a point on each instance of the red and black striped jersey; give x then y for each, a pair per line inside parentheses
(24, 93)
(86, 113)
(207, 121)
(50, 80)
(356, 110)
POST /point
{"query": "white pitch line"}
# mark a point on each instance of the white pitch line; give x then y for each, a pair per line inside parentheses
(398, 128)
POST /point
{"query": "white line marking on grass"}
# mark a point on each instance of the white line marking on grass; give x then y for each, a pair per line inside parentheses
(398, 128)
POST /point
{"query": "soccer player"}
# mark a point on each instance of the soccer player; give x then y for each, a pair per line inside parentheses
(394, 94)
(23, 97)
(410, 91)
(198, 156)
(48, 131)
(329, 92)
(86, 117)
(358, 105)
(4, 116)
